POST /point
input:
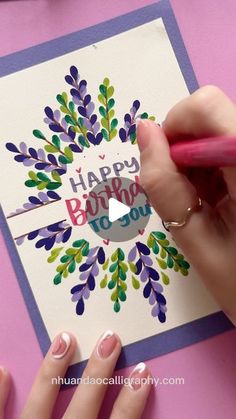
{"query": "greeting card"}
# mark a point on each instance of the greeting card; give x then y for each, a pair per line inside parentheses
(68, 143)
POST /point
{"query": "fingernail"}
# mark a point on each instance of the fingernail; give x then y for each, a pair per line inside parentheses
(138, 376)
(142, 135)
(107, 344)
(61, 345)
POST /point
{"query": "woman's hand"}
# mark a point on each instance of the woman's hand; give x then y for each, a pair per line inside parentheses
(87, 399)
(209, 237)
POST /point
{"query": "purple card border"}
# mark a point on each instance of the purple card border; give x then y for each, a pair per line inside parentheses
(177, 337)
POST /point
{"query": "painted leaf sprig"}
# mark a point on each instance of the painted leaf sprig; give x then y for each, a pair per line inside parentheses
(106, 110)
(89, 271)
(128, 132)
(42, 181)
(72, 257)
(37, 158)
(59, 232)
(42, 199)
(167, 256)
(85, 106)
(117, 283)
(153, 290)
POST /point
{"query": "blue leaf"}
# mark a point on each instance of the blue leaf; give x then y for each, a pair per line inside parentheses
(101, 256)
(53, 195)
(132, 129)
(52, 159)
(12, 147)
(82, 111)
(48, 111)
(74, 72)
(153, 274)
(40, 243)
(91, 282)
(50, 242)
(40, 166)
(93, 119)
(75, 148)
(139, 266)
(20, 158)
(99, 138)
(69, 80)
(143, 248)
(91, 138)
(54, 227)
(136, 104)
(67, 235)
(160, 298)
(76, 288)
(147, 290)
(127, 118)
(33, 234)
(80, 307)
(162, 317)
(33, 153)
(122, 135)
(55, 128)
(71, 133)
(34, 200)
(82, 85)
(75, 93)
(85, 266)
(87, 100)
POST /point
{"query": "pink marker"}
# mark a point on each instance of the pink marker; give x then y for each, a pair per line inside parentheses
(205, 152)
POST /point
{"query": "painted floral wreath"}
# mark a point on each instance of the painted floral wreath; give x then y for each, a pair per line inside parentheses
(76, 127)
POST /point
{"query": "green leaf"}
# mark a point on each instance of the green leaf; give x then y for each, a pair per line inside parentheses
(102, 111)
(159, 235)
(57, 279)
(110, 92)
(65, 273)
(42, 185)
(71, 251)
(51, 148)
(38, 134)
(184, 272)
(184, 264)
(114, 123)
(132, 267)
(63, 109)
(105, 265)
(111, 284)
(53, 185)
(121, 254)
(71, 107)
(155, 248)
(165, 278)
(161, 263)
(106, 82)
(123, 285)
(163, 253)
(150, 241)
(117, 306)
(65, 96)
(103, 282)
(113, 134)
(72, 267)
(78, 258)
(114, 255)
(111, 113)
(122, 275)
(103, 90)
(110, 104)
(113, 267)
(85, 249)
(122, 295)
(144, 115)
(164, 243)
(123, 266)
(56, 176)
(61, 99)
(172, 250)
(102, 99)
(115, 275)
(33, 175)
(54, 254)
(104, 134)
(114, 295)
(70, 120)
(135, 283)
(31, 183)
(65, 258)
(63, 160)
(104, 123)
(43, 177)
(78, 243)
(170, 262)
(68, 153)
(56, 141)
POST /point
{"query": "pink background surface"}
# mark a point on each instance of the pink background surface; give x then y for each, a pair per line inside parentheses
(209, 368)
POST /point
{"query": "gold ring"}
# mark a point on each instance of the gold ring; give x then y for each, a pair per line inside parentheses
(189, 211)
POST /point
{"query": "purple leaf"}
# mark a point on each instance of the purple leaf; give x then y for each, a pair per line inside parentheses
(80, 307)
(69, 80)
(12, 147)
(122, 134)
(132, 254)
(67, 235)
(74, 72)
(147, 290)
(48, 111)
(55, 128)
(155, 310)
(20, 158)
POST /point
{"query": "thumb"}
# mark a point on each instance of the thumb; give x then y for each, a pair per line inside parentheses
(170, 192)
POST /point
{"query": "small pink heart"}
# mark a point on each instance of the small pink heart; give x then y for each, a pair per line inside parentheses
(101, 156)
(141, 232)
(78, 170)
(106, 241)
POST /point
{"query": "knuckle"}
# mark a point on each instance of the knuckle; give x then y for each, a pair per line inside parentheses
(205, 98)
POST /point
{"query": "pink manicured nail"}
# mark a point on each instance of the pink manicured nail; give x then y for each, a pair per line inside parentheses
(142, 135)
(107, 344)
(138, 375)
(61, 345)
